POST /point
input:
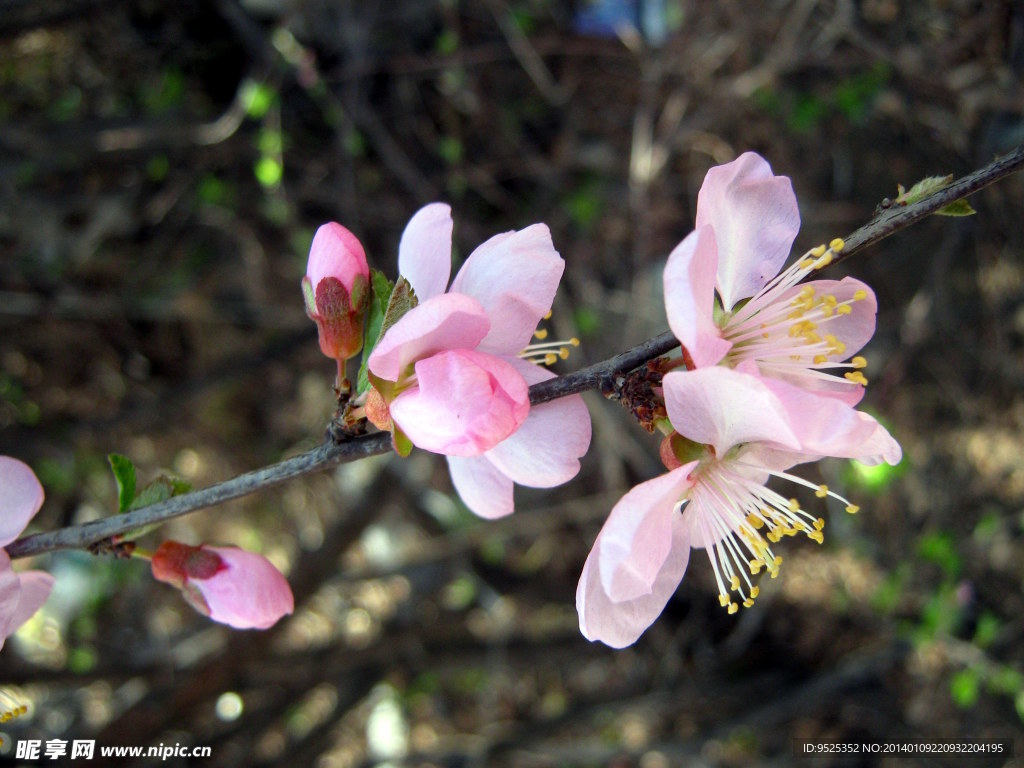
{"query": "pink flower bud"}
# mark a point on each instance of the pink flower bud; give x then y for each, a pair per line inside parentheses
(231, 586)
(336, 290)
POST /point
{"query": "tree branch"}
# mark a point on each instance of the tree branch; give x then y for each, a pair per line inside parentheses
(898, 217)
(323, 457)
(598, 376)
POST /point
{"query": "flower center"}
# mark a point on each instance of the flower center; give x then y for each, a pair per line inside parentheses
(741, 518)
(790, 334)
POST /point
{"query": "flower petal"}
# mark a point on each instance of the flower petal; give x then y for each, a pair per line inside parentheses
(725, 408)
(36, 587)
(637, 536)
(514, 276)
(337, 253)
(620, 623)
(690, 297)
(21, 496)
(466, 402)
(545, 451)
(425, 251)
(826, 426)
(755, 218)
(484, 488)
(249, 594)
(448, 321)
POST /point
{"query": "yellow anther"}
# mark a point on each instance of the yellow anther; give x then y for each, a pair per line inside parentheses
(734, 583)
(723, 599)
(733, 608)
(748, 602)
(819, 359)
(837, 245)
(859, 362)
(774, 536)
(548, 315)
(563, 353)
(819, 524)
(550, 358)
(817, 536)
(844, 309)
(829, 300)
(853, 509)
(574, 342)
(806, 292)
(824, 261)
(856, 377)
(817, 251)
(860, 295)
(806, 263)
(755, 591)
(794, 505)
(822, 491)
(540, 334)
(812, 338)
(755, 521)
(756, 566)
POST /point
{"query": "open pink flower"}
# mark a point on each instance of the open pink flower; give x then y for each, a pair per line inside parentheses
(747, 220)
(451, 375)
(336, 290)
(21, 594)
(230, 585)
(735, 430)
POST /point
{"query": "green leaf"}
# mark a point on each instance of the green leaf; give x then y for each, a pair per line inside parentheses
(124, 475)
(379, 299)
(924, 188)
(957, 208)
(161, 489)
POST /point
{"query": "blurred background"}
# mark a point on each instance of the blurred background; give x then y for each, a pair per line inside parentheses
(163, 166)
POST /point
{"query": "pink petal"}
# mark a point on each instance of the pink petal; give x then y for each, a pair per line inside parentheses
(10, 596)
(448, 321)
(337, 253)
(465, 403)
(425, 251)
(620, 623)
(484, 488)
(36, 587)
(637, 535)
(514, 276)
(725, 408)
(21, 496)
(249, 594)
(690, 297)
(545, 450)
(825, 426)
(755, 218)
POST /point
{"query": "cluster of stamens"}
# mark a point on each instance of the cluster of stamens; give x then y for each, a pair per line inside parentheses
(547, 352)
(792, 336)
(10, 708)
(747, 519)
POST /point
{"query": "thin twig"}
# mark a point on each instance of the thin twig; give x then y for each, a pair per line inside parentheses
(899, 217)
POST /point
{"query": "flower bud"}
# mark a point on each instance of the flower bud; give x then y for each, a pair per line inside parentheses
(231, 586)
(337, 290)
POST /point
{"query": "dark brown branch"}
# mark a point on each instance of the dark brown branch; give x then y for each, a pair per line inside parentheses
(323, 457)
(898, 217)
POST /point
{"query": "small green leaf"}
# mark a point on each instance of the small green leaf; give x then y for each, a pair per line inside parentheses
(924, 188)
(957, 208)
(379, 299)
(161, 489)
(124, 475)
(403, 445)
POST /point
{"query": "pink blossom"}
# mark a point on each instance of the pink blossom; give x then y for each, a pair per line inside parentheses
(336, 290)
(747, 220)
(452, 374)
(230, 585)
(21, 594)
(735, 430)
